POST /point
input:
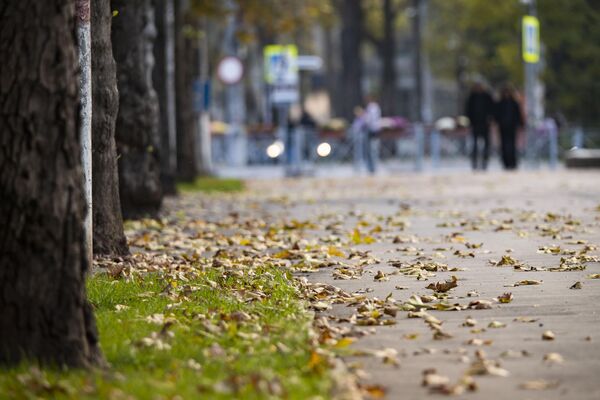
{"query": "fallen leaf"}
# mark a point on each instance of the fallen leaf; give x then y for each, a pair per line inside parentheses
(548, 335)
(496, 324)
(480, 305)
(505, 298)
(380, 277)
(576, 285)
(344, 342)
(374, 391)
(553, 358)
(526, 282)
(539, 384)
(525, 319)
(431, 378)
(442, 287)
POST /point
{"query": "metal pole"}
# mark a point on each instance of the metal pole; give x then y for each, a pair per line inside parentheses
(204, 116)
(235, 110)
(170, 84)
(419, 134)
(553, 144)
(85, 115)
(532, 100)
(435, 148)
(283, 134)
(417, 62)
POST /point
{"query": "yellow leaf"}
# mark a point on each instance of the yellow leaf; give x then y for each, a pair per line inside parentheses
(344, 342)
(334, 251)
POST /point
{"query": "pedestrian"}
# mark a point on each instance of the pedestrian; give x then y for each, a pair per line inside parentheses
(509, 118)
(372, 117)
(480, 110)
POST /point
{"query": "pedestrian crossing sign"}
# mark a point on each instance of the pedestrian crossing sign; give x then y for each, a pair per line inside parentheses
(531, 39)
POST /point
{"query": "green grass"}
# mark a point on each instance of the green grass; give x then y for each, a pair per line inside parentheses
(268, 356)
(211, 185)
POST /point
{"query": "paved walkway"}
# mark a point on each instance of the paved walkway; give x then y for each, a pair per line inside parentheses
(533, 219)
(397, 235)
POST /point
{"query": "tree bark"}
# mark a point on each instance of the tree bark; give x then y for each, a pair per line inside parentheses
(351, 14)
(107, 218)
(164, 82)
(186, 62)
(137, 136)
(388, 54)
(44, 314)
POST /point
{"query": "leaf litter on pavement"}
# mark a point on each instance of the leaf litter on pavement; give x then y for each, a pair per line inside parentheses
(251, 231)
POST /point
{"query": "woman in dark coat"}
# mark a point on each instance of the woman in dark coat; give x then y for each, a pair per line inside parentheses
(509, 119)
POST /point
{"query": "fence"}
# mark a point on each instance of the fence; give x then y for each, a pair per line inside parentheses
(415, 142)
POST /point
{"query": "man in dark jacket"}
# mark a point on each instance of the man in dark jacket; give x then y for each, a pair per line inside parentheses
(479, 110)
(509, 119)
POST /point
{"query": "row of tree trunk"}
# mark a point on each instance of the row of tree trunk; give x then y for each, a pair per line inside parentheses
(353, 34)
(144, 125)
(44, 313)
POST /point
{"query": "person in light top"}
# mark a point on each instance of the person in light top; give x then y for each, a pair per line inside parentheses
(372, 118)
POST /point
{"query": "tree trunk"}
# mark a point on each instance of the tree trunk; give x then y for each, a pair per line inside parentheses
(44, 314)
(332, 72)
(107, 219)
(186, 62)
(388, 54)
(417, 62)
(138, 141)
(164, 82)
(352, 24)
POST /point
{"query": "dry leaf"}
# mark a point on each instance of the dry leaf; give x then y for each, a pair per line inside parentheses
(548, 335)
(505, 298)
(526, 282)
(496, 324)
(374, 391)
(539, 384)
(553, 358)
(442, 287)
(480, 305)
(576, 285)
(380, 277)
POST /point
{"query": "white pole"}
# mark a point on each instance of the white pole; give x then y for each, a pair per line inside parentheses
(204, 120)
(85, 114)
(170, 67)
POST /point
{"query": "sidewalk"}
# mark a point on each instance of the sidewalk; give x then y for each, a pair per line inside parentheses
(432, 218)
(387, 168)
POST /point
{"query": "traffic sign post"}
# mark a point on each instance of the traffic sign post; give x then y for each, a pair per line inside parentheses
(531, 50)
(281, 73)
(531, 39)
(281, 76)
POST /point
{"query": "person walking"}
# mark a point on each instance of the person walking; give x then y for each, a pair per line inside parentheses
(480, 109)
(372, 117)
(509, 118)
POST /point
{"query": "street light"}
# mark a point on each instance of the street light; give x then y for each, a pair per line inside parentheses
(324, 149)
(275, 149)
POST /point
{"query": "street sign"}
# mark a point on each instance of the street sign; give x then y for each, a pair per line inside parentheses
(281, 73)
(531, 39)
(281, 64)
(309, 63)
(230, 70)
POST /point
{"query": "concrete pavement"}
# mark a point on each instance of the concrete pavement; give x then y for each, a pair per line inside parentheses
(514, 214)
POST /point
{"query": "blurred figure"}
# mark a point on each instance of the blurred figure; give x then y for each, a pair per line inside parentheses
(372, 117)
(309, 130)
(480, 110)
(509, 118)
